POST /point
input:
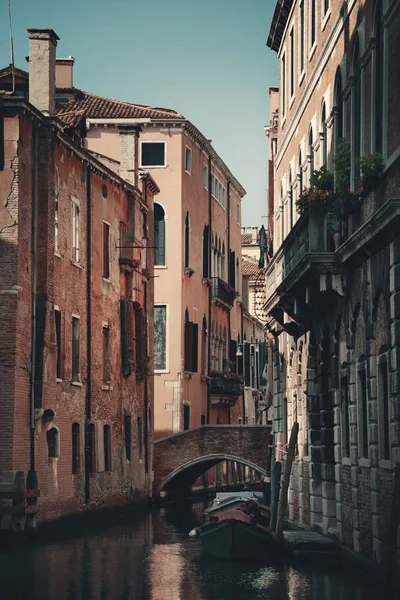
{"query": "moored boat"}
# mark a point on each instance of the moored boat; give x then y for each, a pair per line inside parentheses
(234, 535)
(235, 500)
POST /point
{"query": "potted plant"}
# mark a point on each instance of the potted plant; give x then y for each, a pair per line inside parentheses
(371, 167)
(347, 200)
(320, 192)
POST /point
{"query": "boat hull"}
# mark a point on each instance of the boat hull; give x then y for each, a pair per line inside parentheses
(233, 539)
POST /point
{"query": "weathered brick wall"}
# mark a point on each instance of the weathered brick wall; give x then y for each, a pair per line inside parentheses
(249, 442)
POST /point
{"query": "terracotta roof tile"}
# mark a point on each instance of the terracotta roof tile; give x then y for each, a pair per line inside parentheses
(95, 107)
(246, 238)
(249, 267)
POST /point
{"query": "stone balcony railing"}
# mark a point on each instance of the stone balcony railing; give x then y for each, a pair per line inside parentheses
(225, 386)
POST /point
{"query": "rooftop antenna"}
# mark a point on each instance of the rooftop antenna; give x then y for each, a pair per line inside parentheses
(11, 47)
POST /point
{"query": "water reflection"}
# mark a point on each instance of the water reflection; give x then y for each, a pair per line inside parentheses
(151, 558)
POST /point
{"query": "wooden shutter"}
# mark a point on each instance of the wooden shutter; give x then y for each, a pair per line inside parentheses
(140, 340)
(246, 354)
(124, 336)
(188, 357)
(232, 354)
(232, 268)
(205, 251)
(195, 347)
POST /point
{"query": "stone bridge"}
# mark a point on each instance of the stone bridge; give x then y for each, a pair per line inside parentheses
(181, 458)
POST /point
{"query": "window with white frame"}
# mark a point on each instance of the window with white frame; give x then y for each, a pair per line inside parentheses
(205, 177)
(106, 250)
(291, 62)
(152, 154)
(325, 6)
(218, 191)
(188, 160)
(313, 22)
(76, 231)
(283, 79)
(301, 36)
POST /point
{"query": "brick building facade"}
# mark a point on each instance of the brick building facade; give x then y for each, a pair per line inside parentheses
(332, 284)
(76, 305)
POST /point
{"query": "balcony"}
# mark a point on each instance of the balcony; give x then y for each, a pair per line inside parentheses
(304, 267)
(223, 293)
(225, 387)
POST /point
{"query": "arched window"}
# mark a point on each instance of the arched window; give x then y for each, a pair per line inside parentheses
(324, 137)
(159, 235)
(187, 240)
(107, 448)
(355, 113)
(300, 173)
(311, 153)
(206, 241)
(290, 198)
(378, 80)
(53, 450)
(204, 340)
(338, 108)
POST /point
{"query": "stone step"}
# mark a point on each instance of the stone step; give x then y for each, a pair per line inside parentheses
(308, 542)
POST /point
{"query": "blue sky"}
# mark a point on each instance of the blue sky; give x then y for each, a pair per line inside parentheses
(207, 59)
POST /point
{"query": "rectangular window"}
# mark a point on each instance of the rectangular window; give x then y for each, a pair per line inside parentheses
(75, 232)
(107, 448)
(238, 213)
(292, 62)
(128, 436)
(344, 391)
(56, 223)
(140, 340)
(186, 417)
(76, 334)
(75, 448)
(283, 85)
(152, 154)
(313, 18)
(106, 355)
(123, 250)
(59, 323)
(205, 177)
(140, 437)
(202, 419)
(126, 336)
(188, 160)
(106, 250)
(362, 413)
(326, 6)
(383, 404)
(301, 35)
(160, 337)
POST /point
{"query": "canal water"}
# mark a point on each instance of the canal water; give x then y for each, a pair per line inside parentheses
(148, 556)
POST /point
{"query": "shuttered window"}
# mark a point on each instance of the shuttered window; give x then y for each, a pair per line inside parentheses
(191, 346)
(126, 337)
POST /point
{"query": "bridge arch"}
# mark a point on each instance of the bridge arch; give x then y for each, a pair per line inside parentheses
(188, 472)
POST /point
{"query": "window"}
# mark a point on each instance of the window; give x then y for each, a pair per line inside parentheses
(355, 113)
(245, 292)
(188, 160)
(152, 154)
(383, 408)
(107, 448)
(205, 177)
(186, 417)
(91, 448)
(326, 6)
(283, 85)
(282, 211)
(159, 235)
(218, 191)
(202, 419)
(140, 340)
(378, 80)
(290, 199)
(204, 346)
(187, 240)
(232, 269)
(106, 355)
(75, 232)
(292, 62)
(338, 109)
(238, 213)
(344, 392)
(128, 436)
(206, 251)
(311, 153)
(313, 19)
(300, 175)
(324, 136)
(56, 222)
(238, 279)
(75, 448)
(160, 337)
(124, 251)
(106, 250)
(126, 337)
(76, 335)
(140, 437)
(191, 346)
(52, 443)
(362, 412)
(59, 324)
(301, 36)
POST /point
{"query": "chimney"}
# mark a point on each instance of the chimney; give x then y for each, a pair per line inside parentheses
(64, 72)
(129, 145)
(42, 69)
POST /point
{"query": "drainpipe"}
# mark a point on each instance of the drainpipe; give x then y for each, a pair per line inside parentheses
(146, 393)
(32, 482)
(88, 449)
(244, 366)
(210, 288)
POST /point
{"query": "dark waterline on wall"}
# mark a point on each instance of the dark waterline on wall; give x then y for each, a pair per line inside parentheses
(148, 556)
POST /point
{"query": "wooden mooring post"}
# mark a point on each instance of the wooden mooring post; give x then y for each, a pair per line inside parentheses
(285, 482)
